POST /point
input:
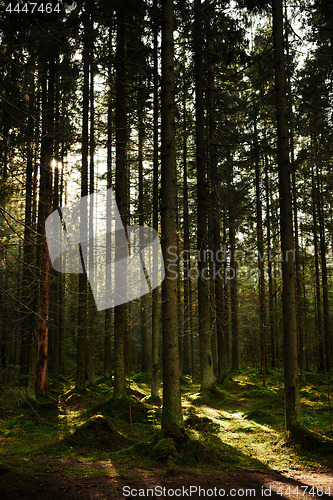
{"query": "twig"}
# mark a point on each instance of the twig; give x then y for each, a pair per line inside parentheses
(32, 407)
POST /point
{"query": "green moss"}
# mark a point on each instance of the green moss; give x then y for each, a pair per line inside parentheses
(152, 400)
(261, 416)
(309, 440)
(165, 451)
(144, 377)
(99, 434)
(4, 469)
(125, 409)
(201, 424)
(197, 452)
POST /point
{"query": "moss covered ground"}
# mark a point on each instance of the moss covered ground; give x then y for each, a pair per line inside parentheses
(238, 425)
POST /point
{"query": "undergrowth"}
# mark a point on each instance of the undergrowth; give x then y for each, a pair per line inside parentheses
(238, 424)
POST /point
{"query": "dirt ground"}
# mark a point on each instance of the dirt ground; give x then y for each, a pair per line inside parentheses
(119, 481)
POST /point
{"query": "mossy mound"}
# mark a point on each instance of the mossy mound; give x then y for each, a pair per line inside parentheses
(73, 398)
(175, 447)
(165, 451)
(4, 469)
(201, 424)
(152, 400)
(213, 397)
(309, 440)
(98, 434)
(125, 409)
(144, 377)
(261, 416)
(134, 393)
(40, 407)
(170, 446)
(196, 452)
(185, 380)
(177, 434)
(260, 393)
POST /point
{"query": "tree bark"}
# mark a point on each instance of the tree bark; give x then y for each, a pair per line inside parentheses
(81, 368)
(261, 263)
(235, 364)
(186, 245)
(291, 383)
(205, 348)
(120, 311)
(155, 293)
(172, 408)
(109, 311)
(44, 210)
(218, 271)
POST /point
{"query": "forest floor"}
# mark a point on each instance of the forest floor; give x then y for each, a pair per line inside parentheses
(90, 446)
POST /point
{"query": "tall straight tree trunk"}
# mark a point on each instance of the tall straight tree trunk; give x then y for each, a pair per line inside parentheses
(81, 367)
(58, 179)
(172, 408)
(28, 249)
(92, 209)
(54, 287)
(218, 271)
(3, 274)
(155, 292)
(327, 333)
(120, 311)
(269, 269)
(299, 313)
(235, 364)
(318, 312)
(61, 277)
(291, 382)
(44, 210)
(143, 312)
(186, 244)
(261, 264)
(205, 348)
(109, 311)
(31, 389)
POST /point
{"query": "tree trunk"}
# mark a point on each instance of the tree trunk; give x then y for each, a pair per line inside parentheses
(81, 368)
(292, 396)
(109, 311)
(155, 292)
(143, 313)
(218, 270)
(44, 210)
(235, 365)
(186, 245)
(320, 211)
(172, 408)
(92, 208)
(120, 311)
(28, 318)
(318, 312)
(261, 263)
(271, 290)
(205, 348)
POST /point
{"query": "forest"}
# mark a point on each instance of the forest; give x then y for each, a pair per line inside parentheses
(166, 249)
